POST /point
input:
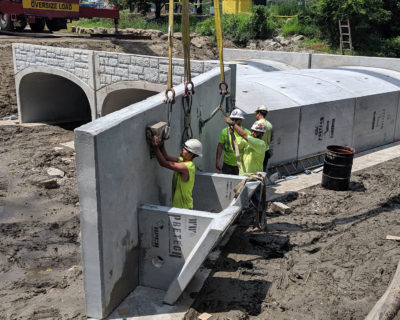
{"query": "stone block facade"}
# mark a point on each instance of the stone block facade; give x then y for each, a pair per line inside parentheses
(75, 61)
(99, 69)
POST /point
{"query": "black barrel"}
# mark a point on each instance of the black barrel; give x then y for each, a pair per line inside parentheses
(337, 167)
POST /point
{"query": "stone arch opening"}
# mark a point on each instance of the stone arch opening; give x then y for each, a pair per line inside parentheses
(122, 98)
(50, 98)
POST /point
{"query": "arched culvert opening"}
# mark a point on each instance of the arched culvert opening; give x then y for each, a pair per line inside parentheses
(50, 98)
(119, 99)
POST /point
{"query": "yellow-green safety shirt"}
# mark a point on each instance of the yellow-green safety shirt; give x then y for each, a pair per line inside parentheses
(229, 151)
(267, 134)
(252, 155)
(182, 190)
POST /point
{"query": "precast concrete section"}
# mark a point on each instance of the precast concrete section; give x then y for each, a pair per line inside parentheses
(312, 108)
(63, 85)
(130, 235)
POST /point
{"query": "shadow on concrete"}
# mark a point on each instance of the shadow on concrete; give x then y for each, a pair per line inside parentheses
(260, 66)
(393, 81)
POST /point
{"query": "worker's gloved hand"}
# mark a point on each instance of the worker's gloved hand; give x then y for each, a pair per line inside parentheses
(155, 142)
(218, 165)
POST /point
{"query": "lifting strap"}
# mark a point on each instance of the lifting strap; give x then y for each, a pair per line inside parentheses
(170, 92)
(234, 145)
(259, 222)
(170, 44)
(218, 31)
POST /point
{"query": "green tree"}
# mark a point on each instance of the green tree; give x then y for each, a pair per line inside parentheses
(371, 20)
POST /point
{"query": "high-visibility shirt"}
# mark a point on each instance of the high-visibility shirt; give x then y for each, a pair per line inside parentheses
(182, 190)
(226, 140)
(267, 134)
(252, 155)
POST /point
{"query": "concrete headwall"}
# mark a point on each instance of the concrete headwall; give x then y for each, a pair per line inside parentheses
(96, 73)
(296, 59)
(116, 175)
(313, 60)
(333, 60)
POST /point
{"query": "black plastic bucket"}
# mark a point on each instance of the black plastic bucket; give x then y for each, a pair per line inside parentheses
(337, 167)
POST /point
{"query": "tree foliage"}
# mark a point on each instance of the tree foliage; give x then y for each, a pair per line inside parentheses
(372, 21)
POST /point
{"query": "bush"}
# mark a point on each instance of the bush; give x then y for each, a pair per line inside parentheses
(293, 26)
(206, 27)
(261, 25)
(391, 47)
(240, 28)
(237, 27)
(289, 8)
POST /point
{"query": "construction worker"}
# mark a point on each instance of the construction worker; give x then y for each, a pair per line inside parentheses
(261, 114)
(226, 143)
(252, 149)
(184, 170)
(252, 146)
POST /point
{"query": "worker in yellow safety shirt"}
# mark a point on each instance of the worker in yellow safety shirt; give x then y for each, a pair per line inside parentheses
(252, 148)
(184, 170)
(226, 143)
(261, 114)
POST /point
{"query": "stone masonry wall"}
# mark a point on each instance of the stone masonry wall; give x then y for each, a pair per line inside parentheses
(114, 67)
(75, 61)
(108, 68)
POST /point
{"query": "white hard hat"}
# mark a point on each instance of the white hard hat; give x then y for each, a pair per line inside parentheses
(261, 108)
(237, 114)
(194, 146)
(258, 126)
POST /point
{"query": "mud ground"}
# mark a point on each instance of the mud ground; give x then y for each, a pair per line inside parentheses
(328, 259)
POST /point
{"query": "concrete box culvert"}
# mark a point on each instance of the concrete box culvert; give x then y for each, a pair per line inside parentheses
(54, 97)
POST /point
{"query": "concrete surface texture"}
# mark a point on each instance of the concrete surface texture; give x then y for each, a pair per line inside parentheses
(47, 77)
(116, 176)
(313, 108)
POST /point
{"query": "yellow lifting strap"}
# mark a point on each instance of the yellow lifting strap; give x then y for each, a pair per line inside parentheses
(170, 46)
(186, 41)
(218, 31)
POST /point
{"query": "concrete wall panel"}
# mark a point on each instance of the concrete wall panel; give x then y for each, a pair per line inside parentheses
(297, 59)
(397, 130)
(333, 60)
(125, 177)
(375, 120)
(325, 124)
(285, 123)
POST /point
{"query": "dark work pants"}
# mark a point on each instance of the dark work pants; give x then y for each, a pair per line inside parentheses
(268, 155)
(228, 169)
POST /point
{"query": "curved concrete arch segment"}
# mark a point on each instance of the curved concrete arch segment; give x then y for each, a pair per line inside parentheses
(122, 94)
(54, 96)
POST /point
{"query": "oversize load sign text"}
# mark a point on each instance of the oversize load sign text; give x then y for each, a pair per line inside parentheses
(50, 5)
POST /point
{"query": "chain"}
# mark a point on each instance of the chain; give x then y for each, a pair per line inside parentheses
(187, 100)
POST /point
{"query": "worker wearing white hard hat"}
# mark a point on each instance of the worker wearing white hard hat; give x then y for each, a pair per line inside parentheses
(226, 144)
(184, 170)
(261, 114)
(252, 149)
(252, 146)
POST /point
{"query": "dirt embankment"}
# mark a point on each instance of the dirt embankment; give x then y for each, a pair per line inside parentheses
(328, 259)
